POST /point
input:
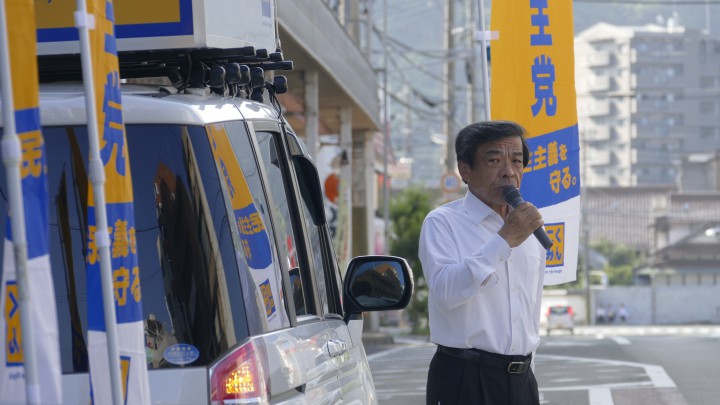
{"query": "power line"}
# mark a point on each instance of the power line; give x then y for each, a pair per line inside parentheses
(653, 2)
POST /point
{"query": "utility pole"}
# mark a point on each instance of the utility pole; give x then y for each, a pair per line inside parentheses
(368, 28)
(586, 264)
(484, 60)
(449, 87)
(386, 132)
(407, 122)
(471, 60)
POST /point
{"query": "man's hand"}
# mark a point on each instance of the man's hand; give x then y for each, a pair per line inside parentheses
(520, 223)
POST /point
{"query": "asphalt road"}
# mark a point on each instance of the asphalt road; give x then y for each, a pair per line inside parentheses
(674, 366)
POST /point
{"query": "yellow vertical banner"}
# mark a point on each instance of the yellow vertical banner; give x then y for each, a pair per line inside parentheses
(118, 194)
(22, 66)
(533, 83)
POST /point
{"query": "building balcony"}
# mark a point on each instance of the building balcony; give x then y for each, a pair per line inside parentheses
(598, 133)
(662, 157)
(652, 105)
(598, 108)
(599, 59)
(601, 84)
(598, 157)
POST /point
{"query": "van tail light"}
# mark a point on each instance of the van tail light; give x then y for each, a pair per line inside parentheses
(240, 377)
(570, 311)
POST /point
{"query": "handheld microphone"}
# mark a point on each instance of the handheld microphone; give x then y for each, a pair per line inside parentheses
(512, 196)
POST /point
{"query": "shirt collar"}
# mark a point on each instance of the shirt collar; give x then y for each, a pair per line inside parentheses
(476, 209)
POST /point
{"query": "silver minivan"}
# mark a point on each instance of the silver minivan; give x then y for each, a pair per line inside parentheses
(251, 294)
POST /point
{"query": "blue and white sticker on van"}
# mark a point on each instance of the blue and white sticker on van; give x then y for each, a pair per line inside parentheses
(181, 354)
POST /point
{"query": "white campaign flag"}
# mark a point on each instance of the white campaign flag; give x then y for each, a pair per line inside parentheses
(118, 202)
(22, 66)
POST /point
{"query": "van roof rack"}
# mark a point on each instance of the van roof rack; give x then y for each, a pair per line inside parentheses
(220, 69)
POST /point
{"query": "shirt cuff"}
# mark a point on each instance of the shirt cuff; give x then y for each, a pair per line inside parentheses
(486, 261)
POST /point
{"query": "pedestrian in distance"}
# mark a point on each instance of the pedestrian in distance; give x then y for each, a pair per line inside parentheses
(600, 314)
(623, 313)
(610, 313)
(485, 274)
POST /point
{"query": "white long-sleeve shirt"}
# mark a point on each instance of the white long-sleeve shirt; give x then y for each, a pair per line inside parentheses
(482, 293)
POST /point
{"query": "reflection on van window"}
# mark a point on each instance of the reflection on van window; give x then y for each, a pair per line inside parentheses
(299, 278)
(316, 252)
(191, 291)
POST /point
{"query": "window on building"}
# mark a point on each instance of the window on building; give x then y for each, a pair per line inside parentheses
(708, 132)
(661, 130)
(707, 82)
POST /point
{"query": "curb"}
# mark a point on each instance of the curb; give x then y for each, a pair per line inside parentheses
(378, 339)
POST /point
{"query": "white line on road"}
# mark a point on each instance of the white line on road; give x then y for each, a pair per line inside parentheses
(657, 374)
(659, 377)
(385, 353)
(407, 342)
(592, 387)
(600, 396)
(621, 340)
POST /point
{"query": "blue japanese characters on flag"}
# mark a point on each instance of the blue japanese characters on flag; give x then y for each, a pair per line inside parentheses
(553, 167)
(125, 274)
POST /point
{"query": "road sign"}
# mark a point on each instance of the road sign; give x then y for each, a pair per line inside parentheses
(450, 182)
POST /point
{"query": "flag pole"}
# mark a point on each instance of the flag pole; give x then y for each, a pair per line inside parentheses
(12, 156)
(84, 22)
(484, 62)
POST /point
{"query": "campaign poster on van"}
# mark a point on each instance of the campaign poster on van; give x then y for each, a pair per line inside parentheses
(253, 229)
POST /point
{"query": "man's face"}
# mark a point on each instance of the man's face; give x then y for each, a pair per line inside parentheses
(497, 164)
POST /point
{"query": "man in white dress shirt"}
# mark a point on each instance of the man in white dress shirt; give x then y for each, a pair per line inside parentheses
(485, 274)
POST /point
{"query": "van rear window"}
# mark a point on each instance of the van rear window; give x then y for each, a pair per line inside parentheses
(191, 290)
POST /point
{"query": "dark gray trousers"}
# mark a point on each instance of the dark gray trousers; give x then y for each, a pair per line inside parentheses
(454, 380)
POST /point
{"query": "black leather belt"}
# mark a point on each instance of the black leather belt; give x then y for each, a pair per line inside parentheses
(509, 363)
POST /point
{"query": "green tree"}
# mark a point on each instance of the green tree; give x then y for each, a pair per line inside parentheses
(621, 260)
(407, 213)
(619, 269)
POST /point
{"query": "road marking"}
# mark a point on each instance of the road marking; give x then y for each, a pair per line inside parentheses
(566, 343)
(657, 374)
(385, 353)
(659, 377)
(591, 387)
(644, 330)
(621, 340)
(600, 396)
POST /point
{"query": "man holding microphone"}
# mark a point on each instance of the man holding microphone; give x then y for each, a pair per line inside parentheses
(485, 275)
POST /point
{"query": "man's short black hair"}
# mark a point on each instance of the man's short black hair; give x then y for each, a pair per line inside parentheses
(479, 133)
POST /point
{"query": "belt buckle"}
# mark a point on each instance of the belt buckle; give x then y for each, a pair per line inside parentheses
(517, 367)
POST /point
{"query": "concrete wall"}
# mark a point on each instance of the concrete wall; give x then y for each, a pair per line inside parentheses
(637, 300)
(667, 305)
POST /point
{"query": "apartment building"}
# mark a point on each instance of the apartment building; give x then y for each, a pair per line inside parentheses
(647, 97)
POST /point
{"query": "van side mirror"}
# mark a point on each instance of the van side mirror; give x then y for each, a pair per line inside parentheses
(377, 283)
